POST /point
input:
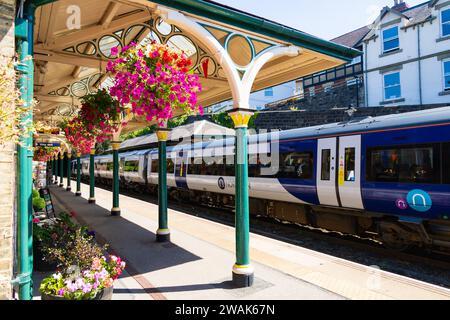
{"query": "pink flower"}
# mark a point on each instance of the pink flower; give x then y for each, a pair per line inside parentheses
(36, 220)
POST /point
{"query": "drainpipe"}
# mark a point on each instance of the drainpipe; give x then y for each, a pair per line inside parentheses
(24, 39)
(24, 29)
(366, 84)
(419, 54)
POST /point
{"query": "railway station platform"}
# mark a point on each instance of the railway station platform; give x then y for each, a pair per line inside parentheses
(196, 265)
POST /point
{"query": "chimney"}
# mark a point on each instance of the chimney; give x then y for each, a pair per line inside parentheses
(400, 5)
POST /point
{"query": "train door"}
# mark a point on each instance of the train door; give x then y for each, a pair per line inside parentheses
(326, 172)
(181, 170)
(349, 177)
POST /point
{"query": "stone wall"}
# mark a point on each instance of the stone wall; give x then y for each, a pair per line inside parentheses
(7, 166)
(289, 119)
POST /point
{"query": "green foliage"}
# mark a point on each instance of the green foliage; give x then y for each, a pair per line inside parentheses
(74, 249)
(172, 123)
(225, 120)
(36, 194)
(38, 204)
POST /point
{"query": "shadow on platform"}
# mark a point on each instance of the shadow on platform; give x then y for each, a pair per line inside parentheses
(127, 239)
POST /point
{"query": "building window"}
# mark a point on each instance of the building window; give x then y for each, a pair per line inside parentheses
(445, 18)
(268, 92)
(391, 40)
(392, 88)
(447, 75)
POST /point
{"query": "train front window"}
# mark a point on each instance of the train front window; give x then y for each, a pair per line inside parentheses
(408, 164)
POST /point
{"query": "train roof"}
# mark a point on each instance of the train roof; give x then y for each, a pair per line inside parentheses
(366, 124)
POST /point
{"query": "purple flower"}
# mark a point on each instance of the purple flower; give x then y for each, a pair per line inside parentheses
(114, 51)
(61, 292)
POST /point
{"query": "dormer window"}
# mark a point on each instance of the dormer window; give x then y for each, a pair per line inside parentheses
(391, 40)
(445, 18)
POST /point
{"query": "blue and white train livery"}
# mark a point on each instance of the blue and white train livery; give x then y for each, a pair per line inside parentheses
(386, 177)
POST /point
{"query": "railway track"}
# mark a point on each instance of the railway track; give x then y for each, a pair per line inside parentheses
(418, 264)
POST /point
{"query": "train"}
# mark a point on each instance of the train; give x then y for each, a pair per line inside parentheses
(386, 178)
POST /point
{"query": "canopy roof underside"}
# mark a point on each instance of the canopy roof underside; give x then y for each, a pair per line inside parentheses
(70, 61)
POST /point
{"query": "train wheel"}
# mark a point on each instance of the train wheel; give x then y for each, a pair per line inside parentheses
(394, 237)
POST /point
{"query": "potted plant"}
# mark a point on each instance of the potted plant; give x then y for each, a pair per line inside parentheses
(92, 283)
(48, 234)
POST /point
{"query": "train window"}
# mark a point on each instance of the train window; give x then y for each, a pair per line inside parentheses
(326, 165)
(155, 165)
(229, 166)
(195, 166)
(170, 166)
(407, 164)
(131, 166)
(446, 163)
(253, 167)
(109, 166)
(296, 165)
(349, 168)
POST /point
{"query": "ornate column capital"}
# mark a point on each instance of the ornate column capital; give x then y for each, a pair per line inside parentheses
(241, 117)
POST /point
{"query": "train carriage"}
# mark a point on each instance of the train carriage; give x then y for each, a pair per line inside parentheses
(386, 177)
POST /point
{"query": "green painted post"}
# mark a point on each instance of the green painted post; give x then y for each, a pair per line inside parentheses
(24, 155)
(243, 271)
(56, 169)
(53, 168)
(115, 211)
(78, 193)
(163, 232)
(91, 176)
(61, 170)
(69, 173)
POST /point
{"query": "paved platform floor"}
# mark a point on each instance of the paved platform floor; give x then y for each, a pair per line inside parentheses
(197, 263)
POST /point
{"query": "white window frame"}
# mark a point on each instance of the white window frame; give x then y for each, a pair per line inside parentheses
(444, 74)
(389, 39)
(384, 85)
(442, 21)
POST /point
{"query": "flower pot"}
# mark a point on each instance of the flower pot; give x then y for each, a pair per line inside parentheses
(104, 294)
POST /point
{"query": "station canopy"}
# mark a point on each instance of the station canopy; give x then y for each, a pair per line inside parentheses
(70, 62)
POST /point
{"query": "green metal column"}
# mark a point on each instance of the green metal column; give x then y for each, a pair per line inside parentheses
(243, 272)
(61, 170)
(163, 232)
(56, 170)
(115, 211)
(24, 36)
(78, 193)
(91, 176)
(69, 173)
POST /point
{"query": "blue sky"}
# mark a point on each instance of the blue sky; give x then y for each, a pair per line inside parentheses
(323, 18)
